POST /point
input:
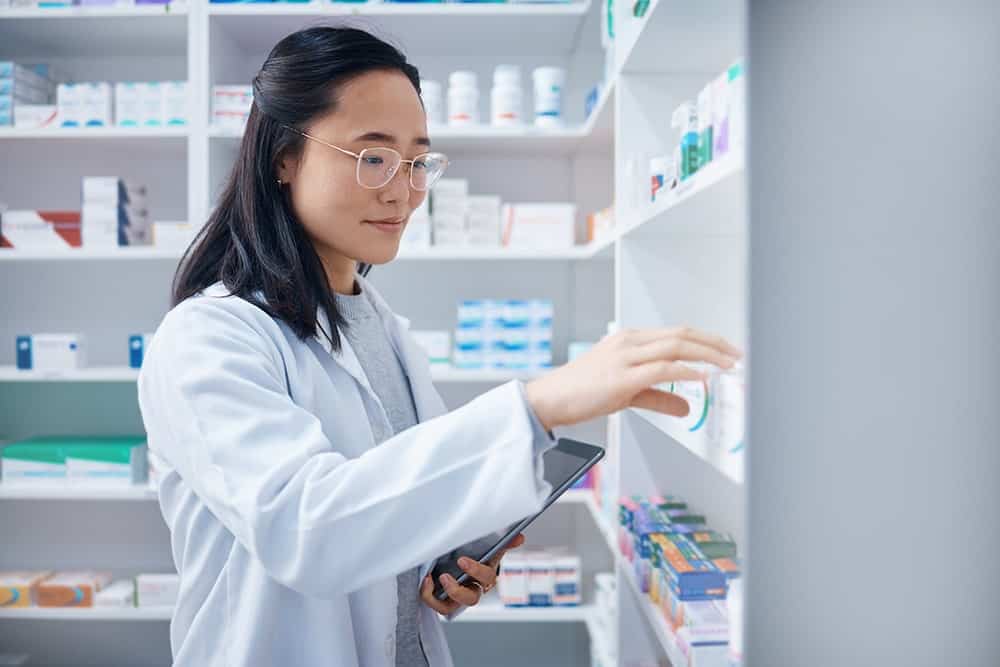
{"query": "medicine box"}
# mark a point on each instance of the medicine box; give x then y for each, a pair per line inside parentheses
(105, 461)
(29, 229)
(437, 345)
(156, 590)
(51, 352)
(71, 589)
(548, 226)
(137, 346)
(17, 589)
(119, 594)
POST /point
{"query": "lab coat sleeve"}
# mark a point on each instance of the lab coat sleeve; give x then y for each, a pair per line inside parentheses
(216, 407)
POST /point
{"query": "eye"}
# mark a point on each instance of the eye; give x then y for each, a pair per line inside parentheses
(420, 164)
(373, 160)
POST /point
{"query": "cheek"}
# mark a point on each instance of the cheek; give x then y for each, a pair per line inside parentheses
(327, 200)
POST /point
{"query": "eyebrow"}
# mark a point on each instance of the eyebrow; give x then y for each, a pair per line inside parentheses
(390, 139)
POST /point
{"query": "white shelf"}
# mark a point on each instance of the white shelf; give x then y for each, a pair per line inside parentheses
(126, 374)
(96, 374)
(492, 611)
(147, 30)
(93, 12)
(457, 253)
(708, 203)
(654, 617)
(699, 445)
(422, 29)
(140, 493)
(95, 133)
(593, 137)
(89, 613)
(681, 36)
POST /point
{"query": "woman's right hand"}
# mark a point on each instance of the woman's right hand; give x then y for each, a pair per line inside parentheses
(620, 371)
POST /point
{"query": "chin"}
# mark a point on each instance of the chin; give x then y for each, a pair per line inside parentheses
(381, 255)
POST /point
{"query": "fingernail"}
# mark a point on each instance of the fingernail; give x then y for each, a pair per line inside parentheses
(464, 562)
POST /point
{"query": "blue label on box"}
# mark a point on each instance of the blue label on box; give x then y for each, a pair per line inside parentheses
(24, 353)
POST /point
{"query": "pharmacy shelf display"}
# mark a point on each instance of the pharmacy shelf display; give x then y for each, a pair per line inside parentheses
(676, 256)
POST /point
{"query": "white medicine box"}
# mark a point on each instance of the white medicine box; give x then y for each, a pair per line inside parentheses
(51, 352)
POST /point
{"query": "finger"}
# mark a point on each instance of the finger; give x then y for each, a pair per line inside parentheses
(639, 337)
(678, 349)
(655, 372)
(484, 574)
(516, 543)
(661, 401)
(443, 607)
(458, 593)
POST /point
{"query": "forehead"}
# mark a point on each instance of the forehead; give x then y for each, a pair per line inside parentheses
(380, 100)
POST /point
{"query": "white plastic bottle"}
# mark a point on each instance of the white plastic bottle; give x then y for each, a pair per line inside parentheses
(506, 99)
(549, 83)
(463, 98)
(431, 94)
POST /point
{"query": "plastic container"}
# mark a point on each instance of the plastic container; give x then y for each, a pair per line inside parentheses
(507, 97)
(433, 97)
(549, 82)
(685, 119)
(463, 98)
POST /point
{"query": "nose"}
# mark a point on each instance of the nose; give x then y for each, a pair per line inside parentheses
(397, 190)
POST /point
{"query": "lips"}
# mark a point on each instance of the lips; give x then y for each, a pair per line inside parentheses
(390, 225)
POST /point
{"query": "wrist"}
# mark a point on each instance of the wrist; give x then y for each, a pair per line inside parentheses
(535, 395)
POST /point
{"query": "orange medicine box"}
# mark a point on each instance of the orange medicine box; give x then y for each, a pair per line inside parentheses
(71, 589)
(16, 587)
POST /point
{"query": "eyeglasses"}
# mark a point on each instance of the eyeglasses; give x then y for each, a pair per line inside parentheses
(378, 166)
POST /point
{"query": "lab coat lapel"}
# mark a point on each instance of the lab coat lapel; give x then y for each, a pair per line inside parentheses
(345, 356)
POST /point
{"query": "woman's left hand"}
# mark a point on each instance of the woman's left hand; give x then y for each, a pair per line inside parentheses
(484, 579)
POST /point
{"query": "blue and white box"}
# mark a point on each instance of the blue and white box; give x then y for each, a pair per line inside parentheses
(137, 346)
(51, 352)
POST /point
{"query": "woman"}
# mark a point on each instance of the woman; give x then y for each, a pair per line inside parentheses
(311, 473)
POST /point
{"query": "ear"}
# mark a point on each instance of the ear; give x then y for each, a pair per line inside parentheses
(286, 168)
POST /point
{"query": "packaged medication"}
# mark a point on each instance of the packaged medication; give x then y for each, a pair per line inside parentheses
(513, 581)
(119, 594)
(437, 344)
(463, 98)
(51, 352)
(506, 98)
(128, 104)
(156, 590)
(105, 462)
(449, 211)
(32, 463)
(172, 234)
(539, 225)
(658, 175)
(567, 581)
(433, 99)
(137, 346)
(705, 137)
(483, 220)
(175, 103)
(231, 106)
(714, 545)
(685, 119)
(71, 589)
(549, 82)
(541, 581)
(17, 589)
(417, 233)
(84, 104)
(48, 230)
(35, 116)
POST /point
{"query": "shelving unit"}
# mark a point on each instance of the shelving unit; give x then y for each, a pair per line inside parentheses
(681, 260)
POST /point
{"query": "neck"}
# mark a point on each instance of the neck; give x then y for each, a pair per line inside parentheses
(340, 272)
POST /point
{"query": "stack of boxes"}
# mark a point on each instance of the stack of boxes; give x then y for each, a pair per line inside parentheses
(94, 462)
(151, 104)
(512, 335)
(449, 209)
(231, 106)
(540, 578)
(683, 566)
(24, 589)
(115, 213)
(25, 95)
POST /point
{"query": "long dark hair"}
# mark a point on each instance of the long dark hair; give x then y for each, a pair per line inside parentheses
(252, 241)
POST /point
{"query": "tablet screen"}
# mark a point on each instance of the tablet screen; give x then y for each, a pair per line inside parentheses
(563, 465)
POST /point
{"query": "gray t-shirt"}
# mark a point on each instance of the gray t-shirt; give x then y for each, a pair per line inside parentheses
(366, 334)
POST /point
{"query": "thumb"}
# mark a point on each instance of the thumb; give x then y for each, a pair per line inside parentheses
(661, 401)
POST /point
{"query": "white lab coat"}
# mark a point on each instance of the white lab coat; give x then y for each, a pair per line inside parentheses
(288, 525)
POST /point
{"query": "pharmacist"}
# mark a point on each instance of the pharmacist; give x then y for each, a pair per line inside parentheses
(311, 472)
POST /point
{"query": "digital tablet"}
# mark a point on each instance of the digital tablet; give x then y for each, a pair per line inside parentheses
(564, 465)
